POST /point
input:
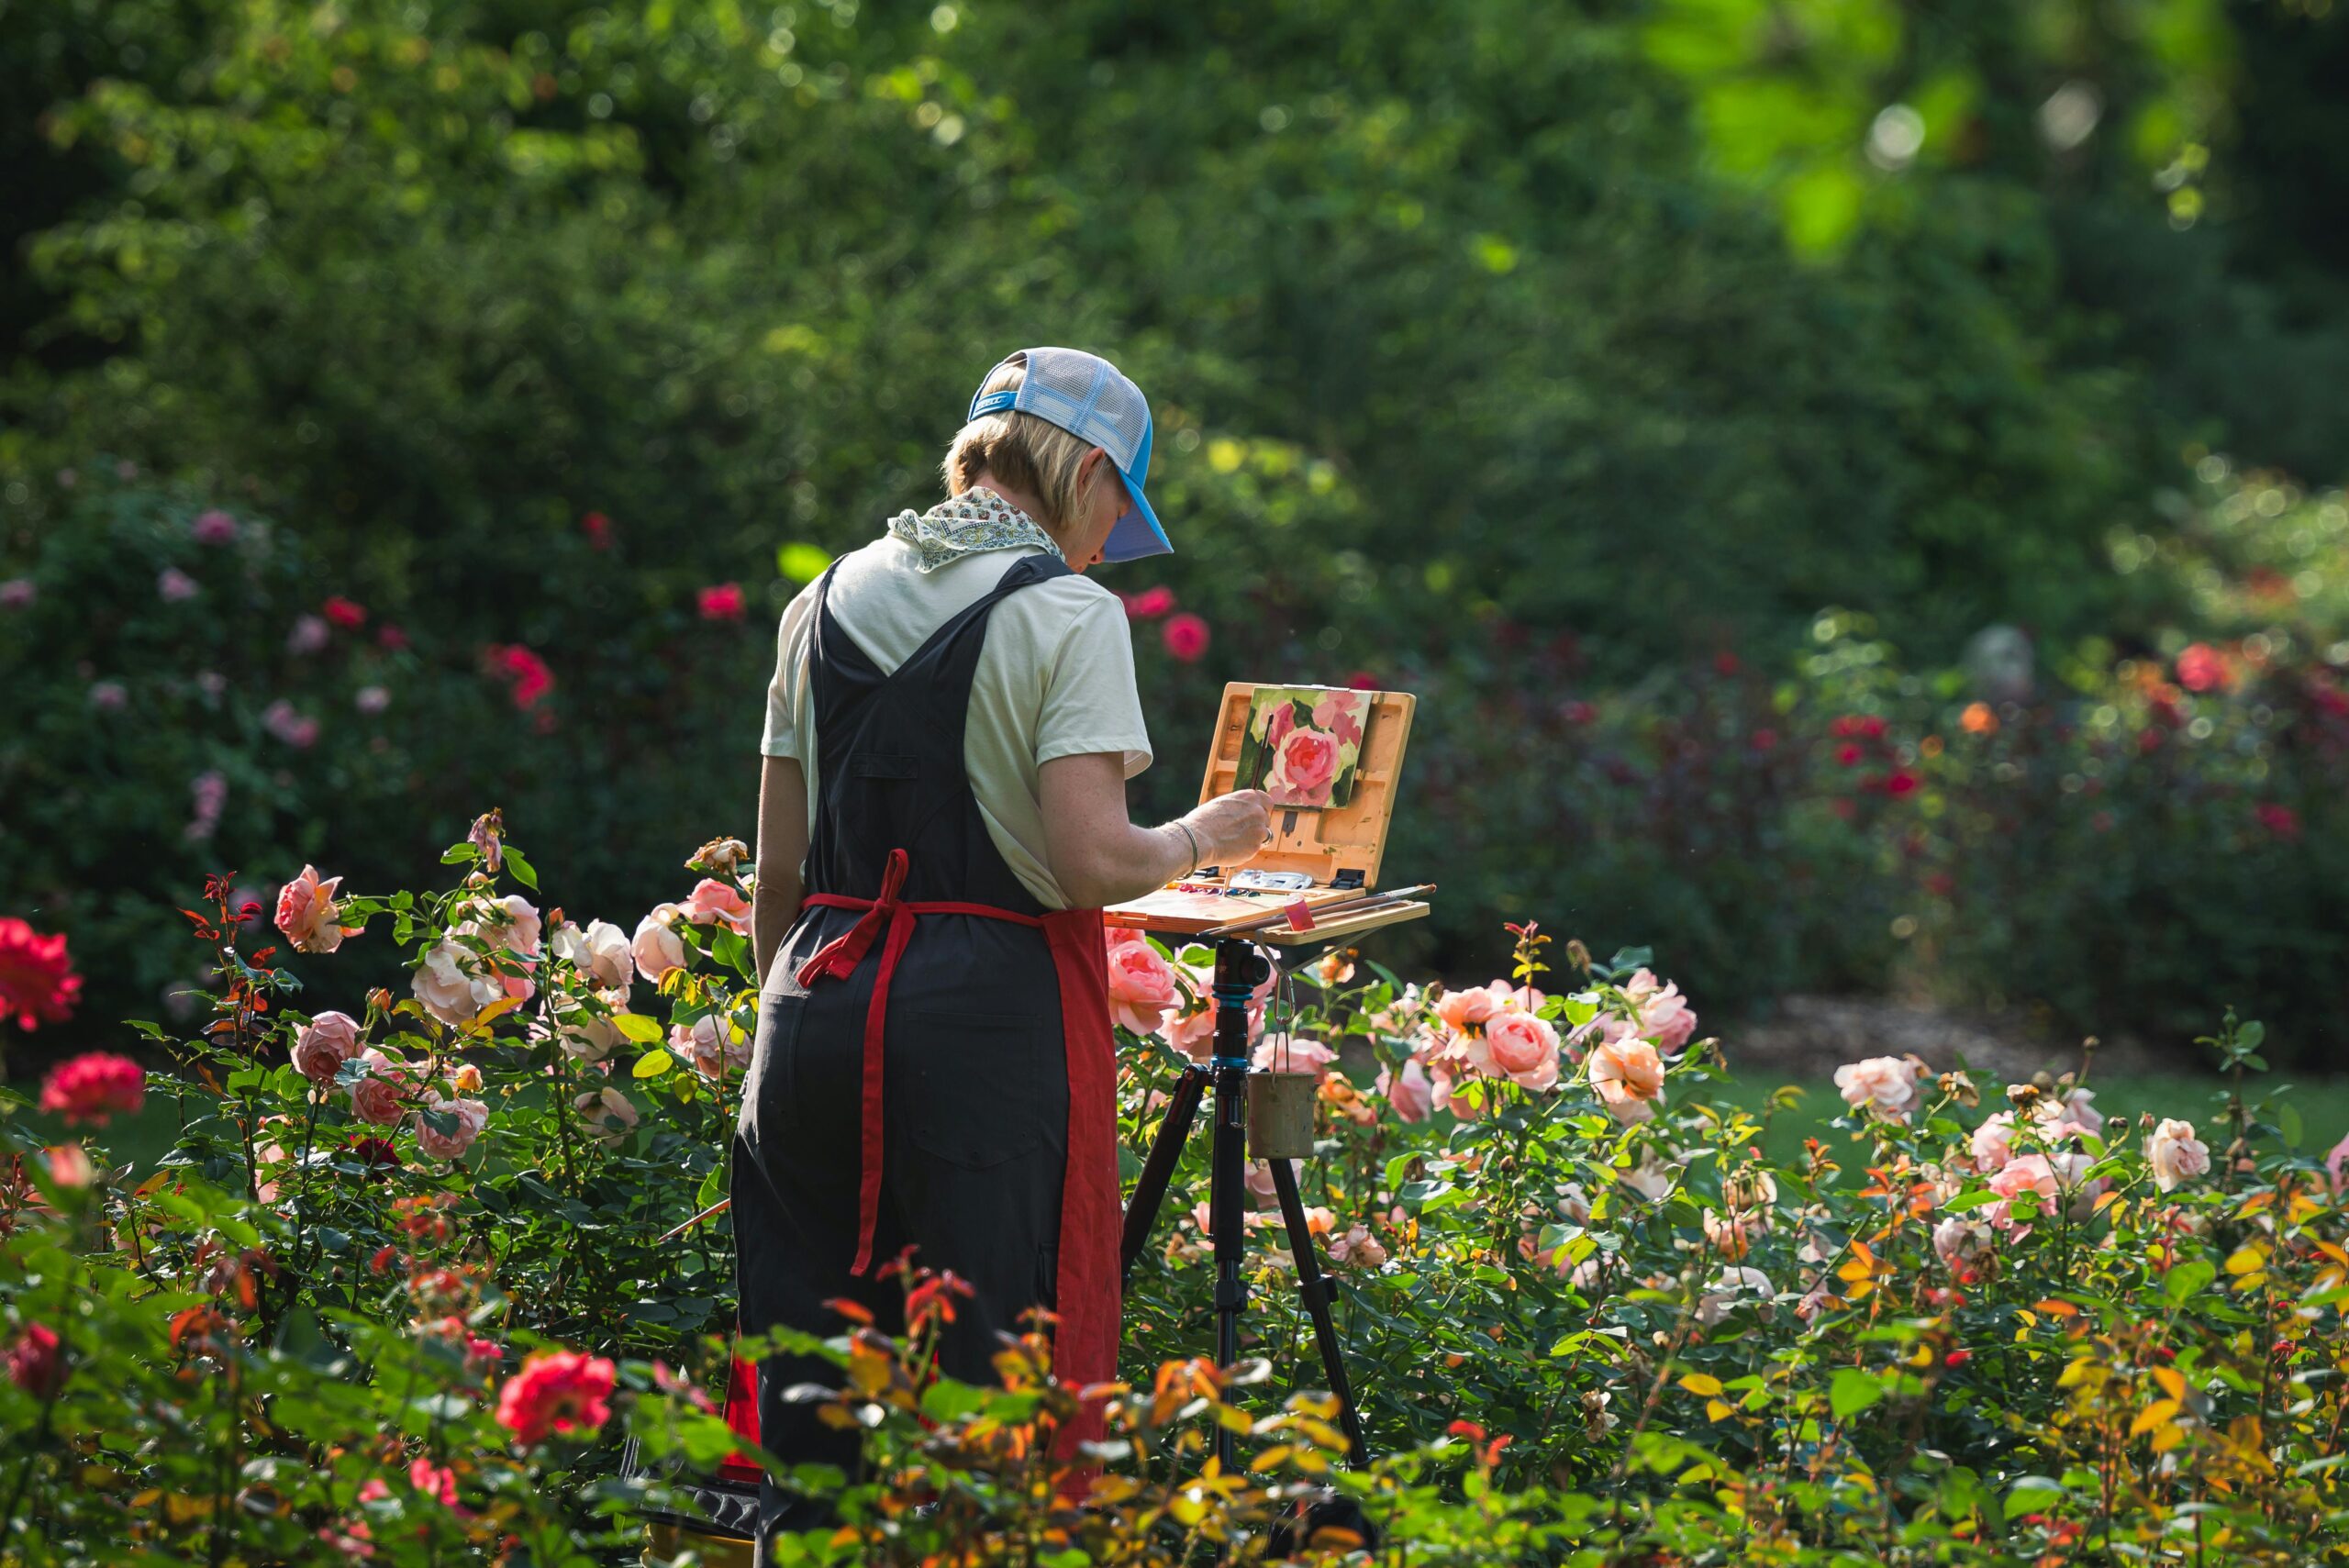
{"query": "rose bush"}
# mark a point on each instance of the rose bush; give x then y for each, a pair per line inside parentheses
(416, 1264)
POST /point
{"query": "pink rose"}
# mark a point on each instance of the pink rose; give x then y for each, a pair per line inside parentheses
(712, 1044)
(657, 948)
(512, 922)
(1287, 1053)
(18, 592)
(1335, 713)
(600, 952)
(1626, 1074)
(2334, 1162)
(1304, 767)
(451, 985)
(1357, 1248)
(713, 902)
(381, 1097)
(1410, 1094)
(1525, 1049)
(310, 634)
(586, 1036)
(1186, 636)
(1440, 1097)
(1142, 985)
(175, 586)
(1884, 1086)
(2023, 1174)
(307, 913)
(1960, 1240)
(325, 1043)
(215, 527)
(1666, 1019)
(462, 1122)
(1993, 1143)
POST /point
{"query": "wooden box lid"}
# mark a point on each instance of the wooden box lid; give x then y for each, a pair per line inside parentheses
(1324, 844)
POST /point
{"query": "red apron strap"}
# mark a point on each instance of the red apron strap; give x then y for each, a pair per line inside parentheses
(1087, 1304)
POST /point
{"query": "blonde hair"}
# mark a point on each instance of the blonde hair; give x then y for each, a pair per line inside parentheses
(1026, 453)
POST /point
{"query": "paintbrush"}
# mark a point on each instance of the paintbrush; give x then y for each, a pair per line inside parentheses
(1315, 915)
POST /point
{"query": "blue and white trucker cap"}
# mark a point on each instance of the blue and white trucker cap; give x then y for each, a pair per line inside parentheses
(1088, 397)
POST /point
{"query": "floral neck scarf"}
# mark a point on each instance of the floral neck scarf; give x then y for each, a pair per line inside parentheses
(967, 524)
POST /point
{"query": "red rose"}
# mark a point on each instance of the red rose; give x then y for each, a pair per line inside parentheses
(721, 601)
(92, 1087)
(1186, 636)
(1149, 604)
(34, 1364)
(348, 614)
(560, 1392)
(38, 985)
(1306, 766)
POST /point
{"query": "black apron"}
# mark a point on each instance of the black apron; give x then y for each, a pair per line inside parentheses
(933, 1067)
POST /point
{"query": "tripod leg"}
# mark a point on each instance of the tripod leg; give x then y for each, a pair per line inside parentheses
(1228, 1218)
(1318, 1290)
(1158, 1170)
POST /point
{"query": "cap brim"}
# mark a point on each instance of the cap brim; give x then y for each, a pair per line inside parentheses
(1137, 534)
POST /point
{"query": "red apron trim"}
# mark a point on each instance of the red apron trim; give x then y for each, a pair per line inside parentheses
(1087, 1288)
(1085, 1348)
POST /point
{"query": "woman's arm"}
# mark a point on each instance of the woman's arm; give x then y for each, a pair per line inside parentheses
(1098, 856)
(783, 847)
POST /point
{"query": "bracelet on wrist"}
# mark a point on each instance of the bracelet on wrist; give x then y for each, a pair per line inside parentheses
(1194, 839)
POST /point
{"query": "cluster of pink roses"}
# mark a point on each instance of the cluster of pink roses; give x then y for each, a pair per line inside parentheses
(384, 1091)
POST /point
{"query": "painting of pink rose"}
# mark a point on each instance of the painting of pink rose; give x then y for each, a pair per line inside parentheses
(1303, 745)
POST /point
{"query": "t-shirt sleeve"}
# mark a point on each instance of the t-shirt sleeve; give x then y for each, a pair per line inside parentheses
(789, 689)
(1090, 701)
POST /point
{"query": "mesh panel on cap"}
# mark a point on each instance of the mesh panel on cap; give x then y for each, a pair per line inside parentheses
(1124, 416)
(1087, 396)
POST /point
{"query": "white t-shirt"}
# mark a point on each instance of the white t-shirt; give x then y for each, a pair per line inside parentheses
(1056, 678)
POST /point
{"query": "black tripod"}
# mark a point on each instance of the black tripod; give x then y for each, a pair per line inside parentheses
(1239, 969)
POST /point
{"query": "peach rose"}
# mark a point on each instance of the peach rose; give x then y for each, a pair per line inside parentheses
(462, 1122)
(1410, 1094)
(657, 948)
(452, 985)
(1731, 1289)
(381, 1097)
(1442, 1096)
(1628, 1074)
(713, 903)
(325, 1043)
(1525, 1049)
(1142, 985)
(1468, 1009)
(1884, 1086)
(610, 1115)
(1303, 768)
(307, 913)
(600, 952)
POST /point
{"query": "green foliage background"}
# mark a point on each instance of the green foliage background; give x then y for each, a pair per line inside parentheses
(1515, 352)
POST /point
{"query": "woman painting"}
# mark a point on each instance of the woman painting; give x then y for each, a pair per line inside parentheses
(941, 817)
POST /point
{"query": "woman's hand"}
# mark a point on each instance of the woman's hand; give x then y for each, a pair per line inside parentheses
(1232, 828)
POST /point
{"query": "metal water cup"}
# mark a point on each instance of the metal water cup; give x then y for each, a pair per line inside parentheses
(1280, 1115)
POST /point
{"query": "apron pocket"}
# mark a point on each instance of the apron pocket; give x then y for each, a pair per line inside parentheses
(769, 1097)
(973, 1093)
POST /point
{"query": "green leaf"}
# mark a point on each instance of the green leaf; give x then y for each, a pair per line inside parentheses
(637, 1028)
(653, 1065)
(2288, 1122)
(1853, 1390)
(521, 869)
